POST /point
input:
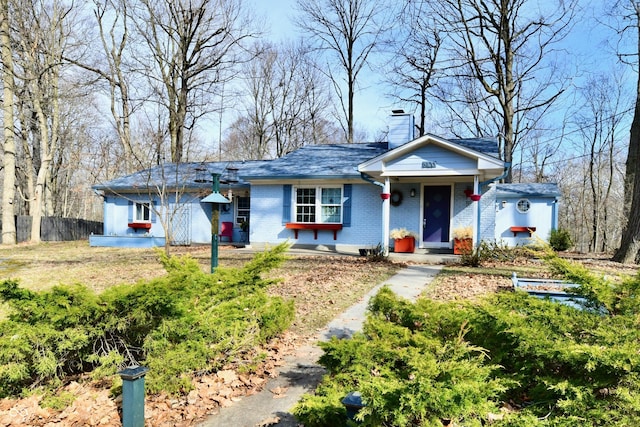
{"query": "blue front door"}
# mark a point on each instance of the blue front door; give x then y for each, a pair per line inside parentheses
(437, 213)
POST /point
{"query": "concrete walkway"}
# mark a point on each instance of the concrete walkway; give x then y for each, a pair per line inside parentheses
(301, 373)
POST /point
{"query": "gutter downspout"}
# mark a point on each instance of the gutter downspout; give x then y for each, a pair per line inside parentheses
(507, 166)
(370, 179)
(386, 208)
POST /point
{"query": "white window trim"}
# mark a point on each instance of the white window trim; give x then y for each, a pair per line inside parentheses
(528, 205)
(236, 211)
(318, 203)
(144, 205)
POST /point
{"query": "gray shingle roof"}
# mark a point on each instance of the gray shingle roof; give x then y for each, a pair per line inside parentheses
(337, 161)
(318, 161)
(534, 189)
(482, 145)
(181, 175)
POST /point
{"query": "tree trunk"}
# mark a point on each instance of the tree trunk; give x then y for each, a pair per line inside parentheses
(628, 252)
(630, 245)
(633, 155)
(9, 160)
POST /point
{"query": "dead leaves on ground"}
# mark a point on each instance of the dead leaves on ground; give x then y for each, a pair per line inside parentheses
(93, 406)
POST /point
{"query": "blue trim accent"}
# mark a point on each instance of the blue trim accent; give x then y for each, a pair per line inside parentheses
(286, 203)
(130, 241)
(152, 208)
(130, 212)
(346, 206)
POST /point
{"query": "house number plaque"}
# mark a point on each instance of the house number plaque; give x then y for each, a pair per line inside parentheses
(428, 164)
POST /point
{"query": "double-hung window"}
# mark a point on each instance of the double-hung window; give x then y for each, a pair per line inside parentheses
(243, 207)
(141, 212)
(318, 204)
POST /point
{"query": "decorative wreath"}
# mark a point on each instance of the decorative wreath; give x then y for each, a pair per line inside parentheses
(396, 198)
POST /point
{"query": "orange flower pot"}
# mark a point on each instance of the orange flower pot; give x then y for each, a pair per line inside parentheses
(462, 246)
(406, 244)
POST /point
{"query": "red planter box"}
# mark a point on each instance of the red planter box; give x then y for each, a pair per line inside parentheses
(406, 244)
(142, 225)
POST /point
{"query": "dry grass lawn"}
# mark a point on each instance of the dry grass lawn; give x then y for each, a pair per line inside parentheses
(322, 286)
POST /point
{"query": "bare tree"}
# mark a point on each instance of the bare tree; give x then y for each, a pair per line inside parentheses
(349, 30)
(476, 113)
(114, 38)
(257, 125)
(629, 250)
(601, 117)
(43, 33)
(537, 152)
(9, 147)
(506, 45)
(194, 45)
(414, 67)
(286, 106)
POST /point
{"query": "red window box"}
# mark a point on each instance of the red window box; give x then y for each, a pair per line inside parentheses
(295, 226)
(140, 225)
(522, 229)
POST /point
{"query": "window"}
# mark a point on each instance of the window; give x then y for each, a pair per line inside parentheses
(318, 204)
(141, 212)
(243, 205)
(523, 205)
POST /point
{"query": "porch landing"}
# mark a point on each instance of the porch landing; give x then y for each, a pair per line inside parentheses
(420, 256)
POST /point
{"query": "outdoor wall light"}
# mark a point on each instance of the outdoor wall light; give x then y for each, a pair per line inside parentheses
(504, 203)
(412, 192)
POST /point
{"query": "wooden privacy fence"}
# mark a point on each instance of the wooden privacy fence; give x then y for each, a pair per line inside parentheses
(56, 229)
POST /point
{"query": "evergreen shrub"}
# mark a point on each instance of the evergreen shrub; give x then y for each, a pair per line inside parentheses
(183, 323)
(560, 240)
(508, 360)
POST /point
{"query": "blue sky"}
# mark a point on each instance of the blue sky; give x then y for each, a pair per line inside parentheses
(372, 109)
(585, 49)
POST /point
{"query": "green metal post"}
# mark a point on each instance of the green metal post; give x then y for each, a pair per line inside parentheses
(215, 223)
(215, 220)
(133, 396)
(215, 198)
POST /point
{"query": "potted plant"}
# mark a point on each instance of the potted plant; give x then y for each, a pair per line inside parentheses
(404, 240)
(463, 240)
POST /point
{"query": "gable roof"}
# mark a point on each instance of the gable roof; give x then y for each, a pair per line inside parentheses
(549, 189)
(484, 163)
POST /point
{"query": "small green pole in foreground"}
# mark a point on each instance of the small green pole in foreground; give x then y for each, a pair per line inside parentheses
(133, 396)
(215, 198)
(215, 221)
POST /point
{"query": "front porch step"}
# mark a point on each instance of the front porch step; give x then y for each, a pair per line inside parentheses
(437, 251)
